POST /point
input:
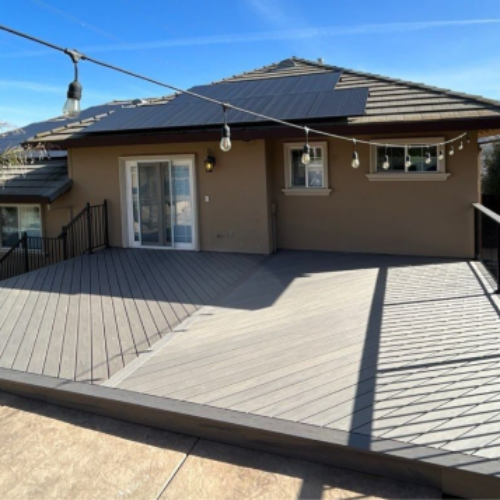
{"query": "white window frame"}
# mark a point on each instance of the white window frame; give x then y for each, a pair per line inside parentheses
(439, 175)
(23, 205)
(305, 190)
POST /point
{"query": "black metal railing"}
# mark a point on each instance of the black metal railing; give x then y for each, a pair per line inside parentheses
(86, 232)
(487, 240)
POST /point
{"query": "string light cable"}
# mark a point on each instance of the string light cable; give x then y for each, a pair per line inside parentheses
(75, 92)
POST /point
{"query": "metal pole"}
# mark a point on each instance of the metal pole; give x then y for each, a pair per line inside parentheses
(106, 228)
(65, 243)
(24, 243)
(498, 259)
(89, 228)
(477, 215)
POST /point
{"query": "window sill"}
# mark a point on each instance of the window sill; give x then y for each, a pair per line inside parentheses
(412, 176)
(306, 192)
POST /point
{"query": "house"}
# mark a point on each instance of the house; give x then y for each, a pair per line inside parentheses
(381, 363)
(146, 158)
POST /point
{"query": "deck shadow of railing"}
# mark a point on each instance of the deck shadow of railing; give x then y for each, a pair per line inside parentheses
(408, 388)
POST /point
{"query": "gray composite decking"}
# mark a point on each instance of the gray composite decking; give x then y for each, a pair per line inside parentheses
(87, 318)
(406, 349)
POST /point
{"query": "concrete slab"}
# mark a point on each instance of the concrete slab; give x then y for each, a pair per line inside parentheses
(220, 471)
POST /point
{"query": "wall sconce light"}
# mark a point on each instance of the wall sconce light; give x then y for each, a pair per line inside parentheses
(209, 162)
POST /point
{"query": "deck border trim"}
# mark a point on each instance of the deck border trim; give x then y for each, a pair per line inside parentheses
(454, 473)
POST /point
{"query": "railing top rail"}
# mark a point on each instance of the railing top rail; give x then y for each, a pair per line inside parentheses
(12, 249)
(486, 211)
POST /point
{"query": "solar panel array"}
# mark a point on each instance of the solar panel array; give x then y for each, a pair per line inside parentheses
(14, 138)
(288, 98)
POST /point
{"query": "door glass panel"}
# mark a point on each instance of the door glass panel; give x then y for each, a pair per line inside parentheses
(9, 223)
(134, 185)
(149, 196)
(167, 204)
(182, 203)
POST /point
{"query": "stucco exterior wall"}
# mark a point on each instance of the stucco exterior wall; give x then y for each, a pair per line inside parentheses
(413, 217)
(401, 217)
(235, 219)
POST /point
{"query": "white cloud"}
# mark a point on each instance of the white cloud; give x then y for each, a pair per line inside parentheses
(267, 36)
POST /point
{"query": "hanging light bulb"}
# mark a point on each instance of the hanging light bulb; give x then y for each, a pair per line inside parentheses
(386, 164)
(71, 107)
(461, 146)
(306, 150)
(428, 157)
(407, 160)
(451, 152)
(441, 154)
(467, 138)
(225, 142)
(355, 163)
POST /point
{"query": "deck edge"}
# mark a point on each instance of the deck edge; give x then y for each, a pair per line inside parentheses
(453, 473)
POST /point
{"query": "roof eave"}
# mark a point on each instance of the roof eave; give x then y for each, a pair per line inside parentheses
(263, 131)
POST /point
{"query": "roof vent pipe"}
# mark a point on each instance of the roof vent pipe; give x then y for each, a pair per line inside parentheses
(321, 60)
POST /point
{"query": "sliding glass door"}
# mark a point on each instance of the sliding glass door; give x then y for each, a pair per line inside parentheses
(160, 198)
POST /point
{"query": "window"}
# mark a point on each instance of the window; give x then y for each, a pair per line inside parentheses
(15, 220)
(418, 169)
(306, 179)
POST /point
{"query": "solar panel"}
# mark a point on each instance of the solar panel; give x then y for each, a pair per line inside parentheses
(14, 138)
(290, 98)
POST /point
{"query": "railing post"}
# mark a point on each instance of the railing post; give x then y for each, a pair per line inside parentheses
(24, 244)
(477, 216)
(65, 243)
(498, 259)
(106, 229)
(89, 228)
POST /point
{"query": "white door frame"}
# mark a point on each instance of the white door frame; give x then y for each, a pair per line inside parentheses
(127, 206)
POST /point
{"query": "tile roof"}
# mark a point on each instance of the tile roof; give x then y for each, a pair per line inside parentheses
(389, 100)
(42, 182)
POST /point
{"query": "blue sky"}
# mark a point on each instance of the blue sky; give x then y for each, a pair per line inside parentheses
(451, 44)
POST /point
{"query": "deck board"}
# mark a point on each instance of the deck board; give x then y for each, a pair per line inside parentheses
(384, 346)
(87, 318)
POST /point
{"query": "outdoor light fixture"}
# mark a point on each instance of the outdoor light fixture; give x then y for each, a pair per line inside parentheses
(451, 152)
(407, 161)
(209, 162)
(467, 138)
(386, 164)
(428, 157)
(306, 150)
(355, 163)
(225, 142)
(441, 154)
(71, 108)
(461, 146)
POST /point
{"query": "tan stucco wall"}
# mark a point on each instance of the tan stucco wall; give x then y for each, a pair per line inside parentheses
(234, 220)
(416, 218)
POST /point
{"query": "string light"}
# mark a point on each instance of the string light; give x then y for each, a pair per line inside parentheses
(226, 130)
(71, 107)
(225, 142)
(306, 150)
(355, 163)
(441, 154)
(451, 152)
(428, 157)
(386, 164)
(407, 161)
(461, 146)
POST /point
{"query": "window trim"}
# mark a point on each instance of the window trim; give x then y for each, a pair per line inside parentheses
(440, 175)
(17, 205)
(290, 190)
